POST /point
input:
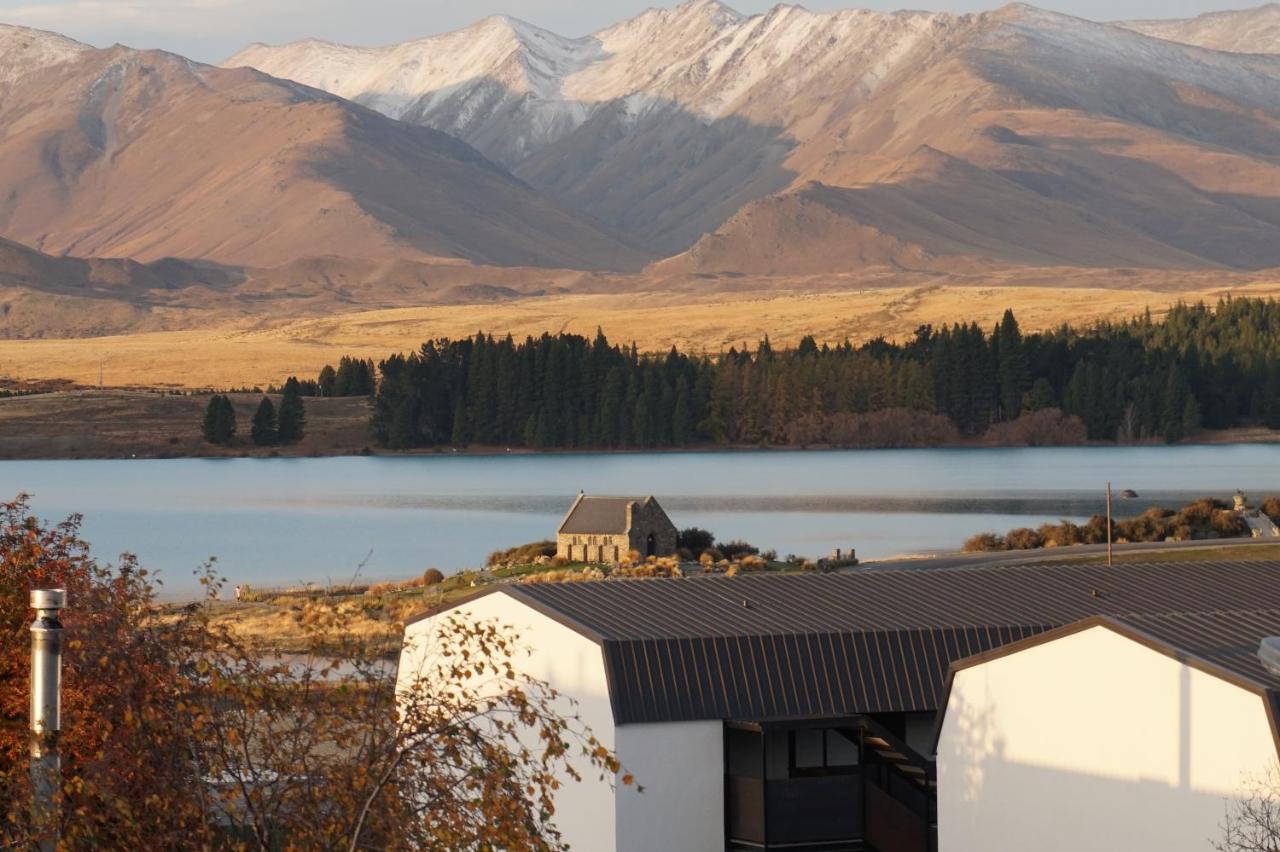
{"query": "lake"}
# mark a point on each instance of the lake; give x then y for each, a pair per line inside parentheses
(288, 521)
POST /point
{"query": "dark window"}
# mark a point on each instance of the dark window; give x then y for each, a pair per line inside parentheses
(746, 753)
(822, 751)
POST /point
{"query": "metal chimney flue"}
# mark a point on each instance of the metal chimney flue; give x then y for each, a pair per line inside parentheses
(46, 711)
(1269, 654)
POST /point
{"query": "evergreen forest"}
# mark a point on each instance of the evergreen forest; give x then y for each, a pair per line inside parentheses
(1141, 379)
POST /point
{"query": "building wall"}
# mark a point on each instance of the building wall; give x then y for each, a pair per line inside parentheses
(592, 548)
(571, 663)
(680, 766)
(1093, 741)
(646, 518)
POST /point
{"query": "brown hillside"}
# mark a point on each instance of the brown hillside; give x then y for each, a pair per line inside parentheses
(147, 155)
(1031, 139)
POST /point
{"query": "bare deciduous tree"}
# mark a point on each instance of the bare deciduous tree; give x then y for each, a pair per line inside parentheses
(1252, 823)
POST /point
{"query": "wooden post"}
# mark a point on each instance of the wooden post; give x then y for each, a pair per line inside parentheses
(1108, 524)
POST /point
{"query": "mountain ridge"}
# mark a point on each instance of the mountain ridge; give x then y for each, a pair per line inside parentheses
(1255, 30)
(146, 154)
(668, 125)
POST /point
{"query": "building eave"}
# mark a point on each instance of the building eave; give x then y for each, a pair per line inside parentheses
(1269, 695)
(512, 591)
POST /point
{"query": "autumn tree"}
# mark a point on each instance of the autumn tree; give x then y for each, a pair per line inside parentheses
(176, 735)
(125, 784)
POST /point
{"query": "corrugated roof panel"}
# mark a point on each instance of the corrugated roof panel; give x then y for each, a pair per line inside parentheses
(777, 646)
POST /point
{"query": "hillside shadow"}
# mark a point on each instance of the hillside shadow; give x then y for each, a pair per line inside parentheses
(655, 173)
(1232, 229)
(1068, 205)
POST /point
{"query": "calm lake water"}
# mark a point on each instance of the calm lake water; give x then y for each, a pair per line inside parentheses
(286, 521)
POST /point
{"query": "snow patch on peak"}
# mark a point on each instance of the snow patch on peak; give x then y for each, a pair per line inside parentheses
(1238, 31)
(24, 50)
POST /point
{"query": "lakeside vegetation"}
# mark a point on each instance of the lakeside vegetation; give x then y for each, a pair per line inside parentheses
(1137, 380)
(1204, 519)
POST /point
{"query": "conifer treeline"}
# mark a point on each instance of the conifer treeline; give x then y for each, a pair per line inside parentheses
(1134, 380)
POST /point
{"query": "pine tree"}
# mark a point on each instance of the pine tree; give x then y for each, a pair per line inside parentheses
(326, 380)
(264, 431)
(219, 426)
(1040, 396)
(459, 436)
(682, 415)
(1012, 366)
(291, 419)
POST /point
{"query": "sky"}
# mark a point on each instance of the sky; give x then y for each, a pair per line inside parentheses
(211, 30)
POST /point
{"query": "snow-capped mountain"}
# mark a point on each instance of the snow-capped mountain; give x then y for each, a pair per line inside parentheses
(701, 57)
(1240, 31)
(24, 51)
(601, 122)
(698, 128)
(495, 84)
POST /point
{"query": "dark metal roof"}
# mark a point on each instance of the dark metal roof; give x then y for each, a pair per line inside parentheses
(1227, 640)
(598, 515)
(766, 647)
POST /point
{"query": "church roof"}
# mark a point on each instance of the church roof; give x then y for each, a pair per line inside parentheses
(598, 515)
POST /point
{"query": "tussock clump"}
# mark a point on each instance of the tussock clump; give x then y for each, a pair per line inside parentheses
(522, 554)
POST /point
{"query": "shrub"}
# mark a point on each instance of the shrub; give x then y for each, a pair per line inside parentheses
(522, 554)
(737, 548)
(432, 577)
(1228, 524)
(983, 543)
(1095, 531)
(1061, 534)
(1023, 539)
(1047, 427)
(695, 540)
(1271, 508)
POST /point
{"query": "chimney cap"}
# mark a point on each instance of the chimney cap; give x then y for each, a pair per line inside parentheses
(1269, 654)
(48, 598)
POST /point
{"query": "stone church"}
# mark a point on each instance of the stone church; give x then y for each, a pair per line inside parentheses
(606, 529)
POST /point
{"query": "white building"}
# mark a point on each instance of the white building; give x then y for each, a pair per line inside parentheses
(1110, 734)
(798, 712)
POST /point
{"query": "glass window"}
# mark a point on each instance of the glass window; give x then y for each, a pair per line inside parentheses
(842, 749)
(807, 750)
(819, 751)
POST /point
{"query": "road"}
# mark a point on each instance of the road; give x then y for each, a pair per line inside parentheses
(1057, 554)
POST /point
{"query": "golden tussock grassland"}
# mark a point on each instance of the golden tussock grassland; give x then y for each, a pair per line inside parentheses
(261, 353)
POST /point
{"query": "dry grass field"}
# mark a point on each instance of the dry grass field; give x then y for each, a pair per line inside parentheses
(243, 354)
(124, 424)
(285, 622)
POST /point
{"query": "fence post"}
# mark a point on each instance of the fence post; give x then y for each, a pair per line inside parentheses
(46, 712)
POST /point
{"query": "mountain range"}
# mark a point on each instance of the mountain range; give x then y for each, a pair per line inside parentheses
(1245, 31)
(689, 143)
(144, 154)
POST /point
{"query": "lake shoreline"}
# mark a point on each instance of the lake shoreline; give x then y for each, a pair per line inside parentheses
(278, 521)
(123, 424)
